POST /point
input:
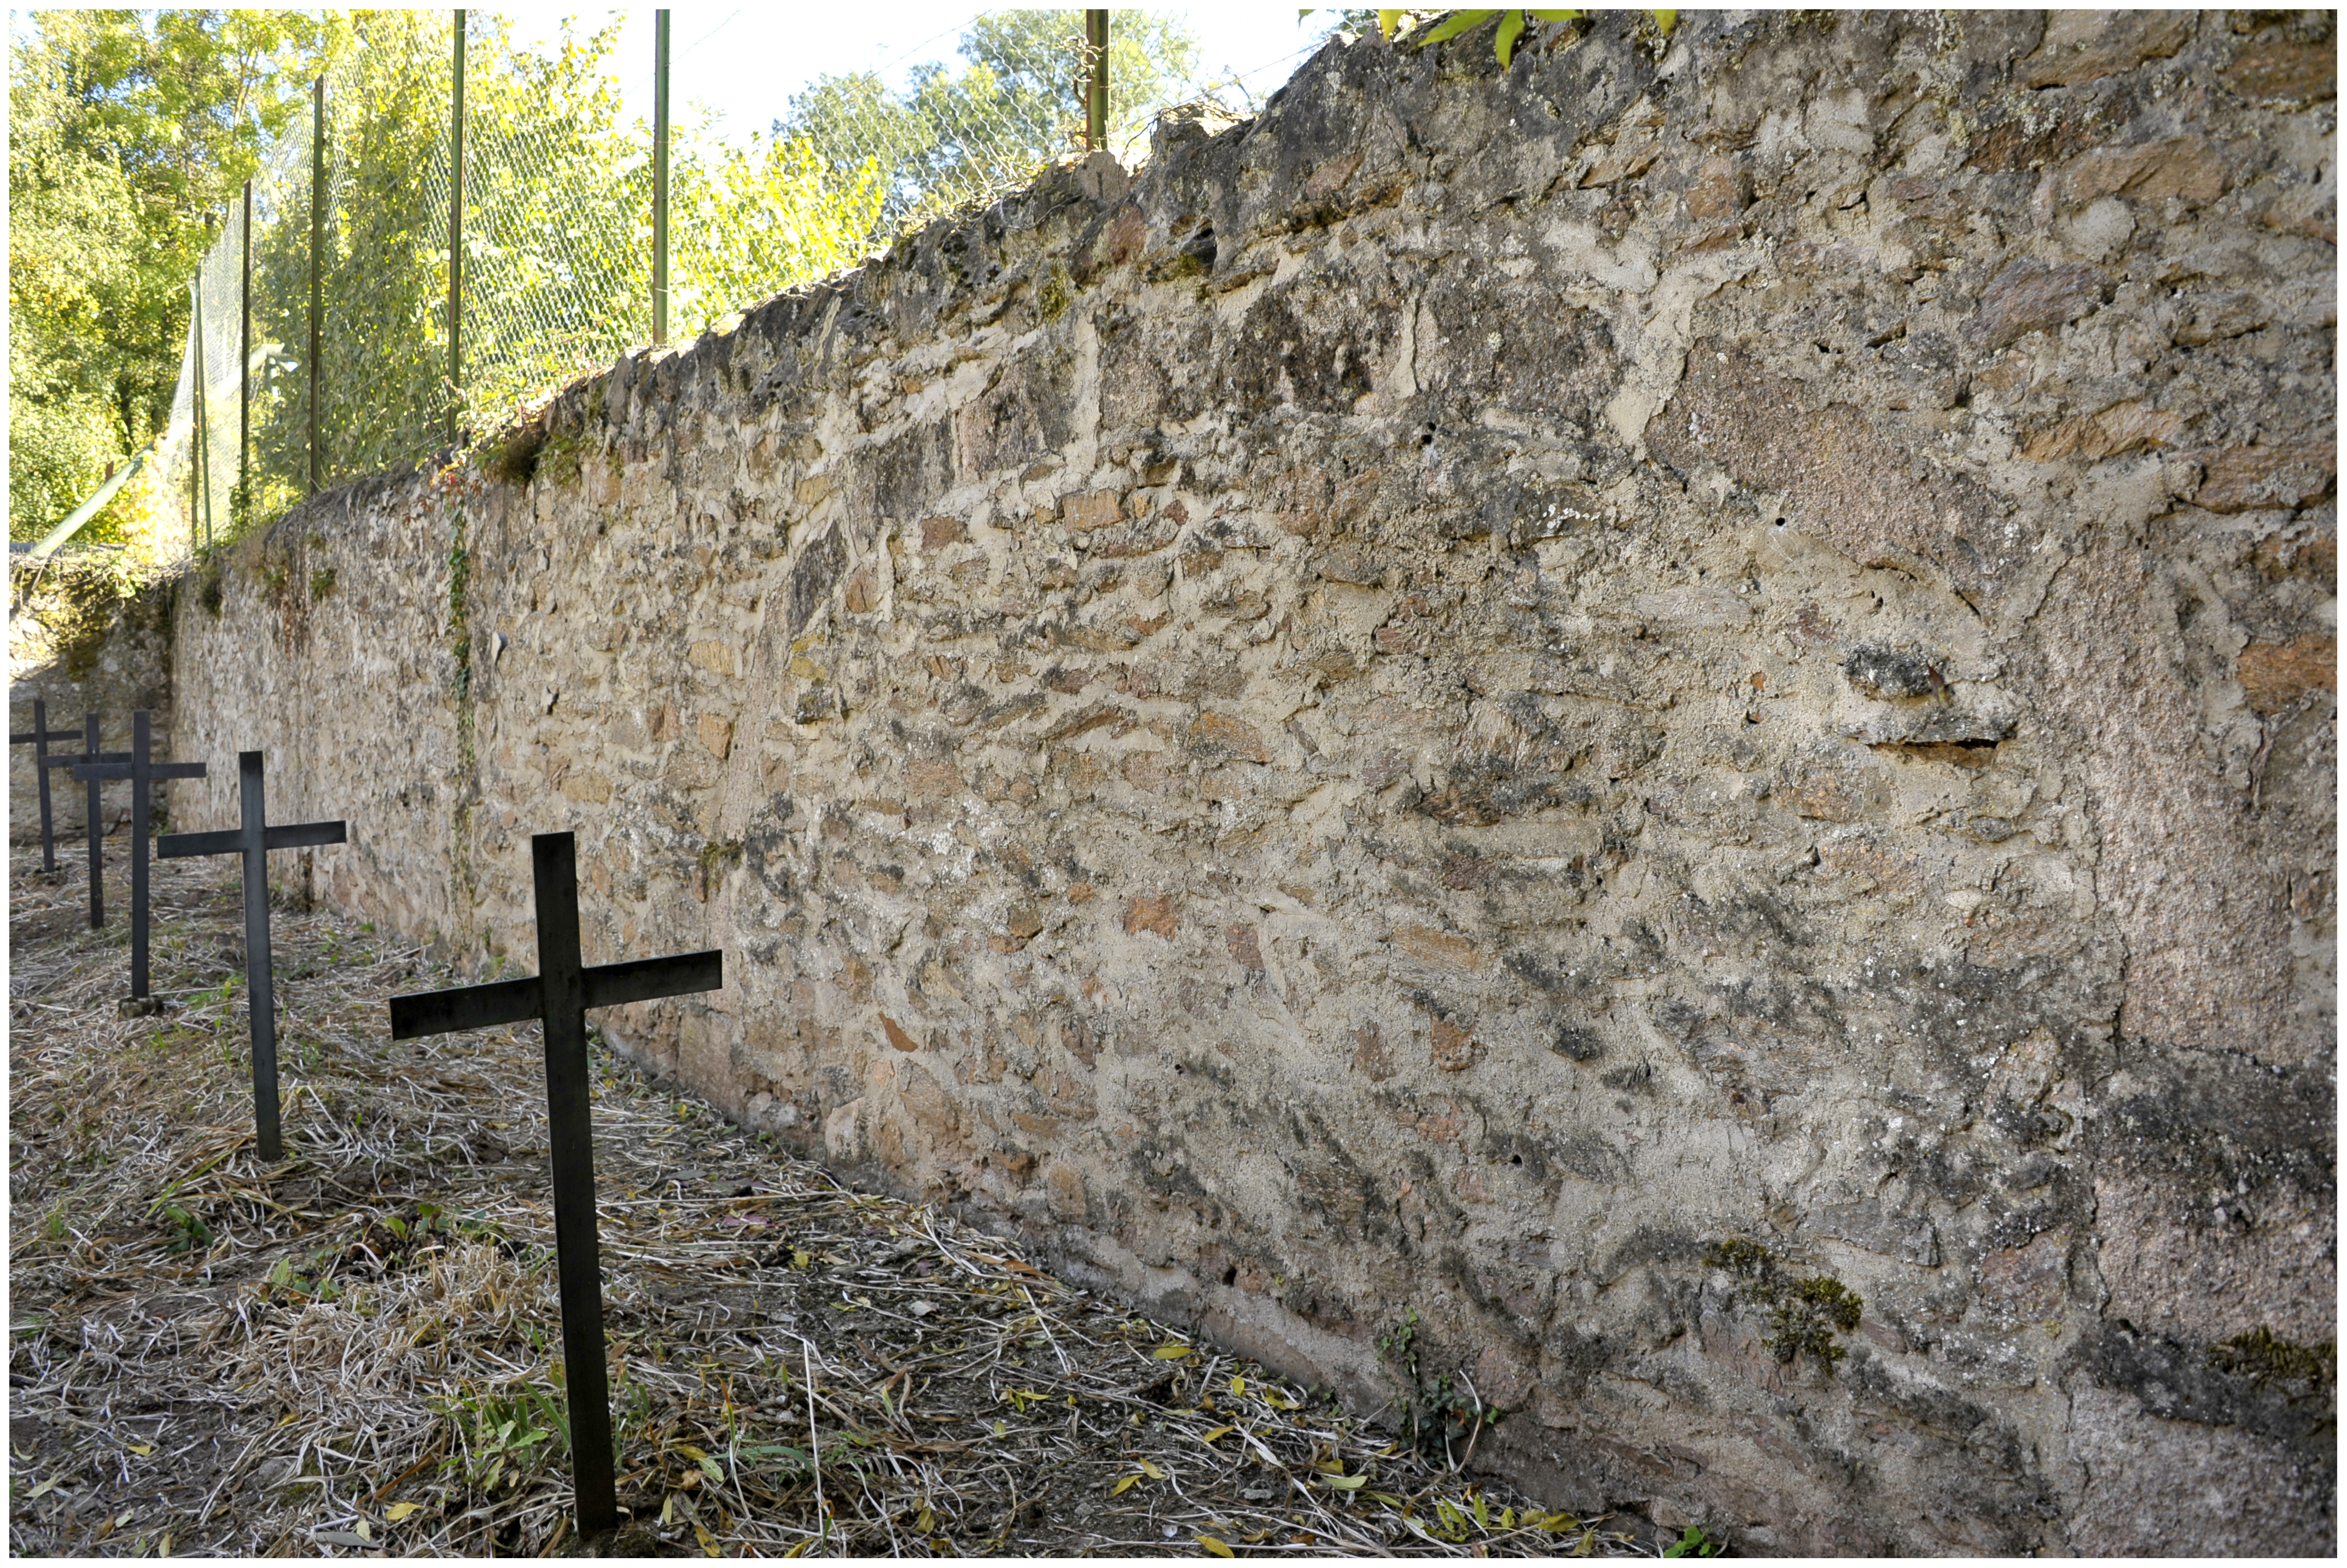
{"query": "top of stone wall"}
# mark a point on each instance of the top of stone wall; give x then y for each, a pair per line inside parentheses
(2049, 104)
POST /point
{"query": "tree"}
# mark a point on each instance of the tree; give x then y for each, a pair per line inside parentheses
(1016, 103)
(127, 131)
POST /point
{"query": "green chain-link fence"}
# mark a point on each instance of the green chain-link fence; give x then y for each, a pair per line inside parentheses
(350, 209)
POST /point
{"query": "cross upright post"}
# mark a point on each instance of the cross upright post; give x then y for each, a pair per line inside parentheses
(560, 994)
(254, 840)
(94, 824)
(38, 737)
(141, 770)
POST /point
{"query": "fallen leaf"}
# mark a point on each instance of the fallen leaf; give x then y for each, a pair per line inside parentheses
(399, 1511)
(141, 1449)
(1170, 1352)
(1123, 1486)
(708, 1541)
(1214, 1546)
(1345, 1482)
(1217, 1433)
(1149, 1469)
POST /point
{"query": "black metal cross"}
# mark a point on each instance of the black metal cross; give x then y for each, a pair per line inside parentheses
(561, 993)
(141, 771)
(38, 737)
(254, 840)
(92, 821)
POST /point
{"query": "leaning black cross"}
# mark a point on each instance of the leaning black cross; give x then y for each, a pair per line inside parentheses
(91, 819)
(254, 840)
(38, 737)
(561, 993)
(141, 771)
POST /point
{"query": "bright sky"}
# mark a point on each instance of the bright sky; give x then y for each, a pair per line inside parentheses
(747, 61)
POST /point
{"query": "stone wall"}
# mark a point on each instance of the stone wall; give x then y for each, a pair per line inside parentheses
(79, 639)
(1629, 705)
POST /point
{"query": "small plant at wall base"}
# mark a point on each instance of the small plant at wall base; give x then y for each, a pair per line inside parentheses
(1693, 1542)
(1433, 1415)
(1804, 1315)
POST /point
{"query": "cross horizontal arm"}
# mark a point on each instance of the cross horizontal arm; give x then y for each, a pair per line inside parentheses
(648, 980)
(301, 835)
(184, 845)
(80, 759)
(465, 1006)
(29, 737)
(87, 771)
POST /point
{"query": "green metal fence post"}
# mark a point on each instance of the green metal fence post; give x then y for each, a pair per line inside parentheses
(241, 502)
(457, 238)
(1096, 96)
(659, 176)
(203, 416)
(317, 244)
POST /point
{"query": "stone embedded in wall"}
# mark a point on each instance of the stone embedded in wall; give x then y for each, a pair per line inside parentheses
(1473, 693)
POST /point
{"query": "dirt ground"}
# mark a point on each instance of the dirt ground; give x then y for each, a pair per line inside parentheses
(356, 1350)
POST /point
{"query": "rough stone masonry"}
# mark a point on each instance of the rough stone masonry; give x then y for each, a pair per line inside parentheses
(1674, 707)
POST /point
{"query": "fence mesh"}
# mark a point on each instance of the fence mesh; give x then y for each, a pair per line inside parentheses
(556, 227)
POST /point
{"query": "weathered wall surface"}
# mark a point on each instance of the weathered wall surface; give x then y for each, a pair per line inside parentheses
(1469, 692)
(76, 643)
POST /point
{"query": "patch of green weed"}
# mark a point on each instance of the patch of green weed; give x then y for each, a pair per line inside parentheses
(1804, 1315)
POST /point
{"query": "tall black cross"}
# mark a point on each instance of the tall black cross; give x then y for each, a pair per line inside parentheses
(561, 993)
(38, 737)
(93, 823)
(141, 771)
(254, 840)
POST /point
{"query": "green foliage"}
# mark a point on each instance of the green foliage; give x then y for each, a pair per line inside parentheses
(127, 131)
(1804, 1315)
(1435, 1413)
(1513, 22)
(503, 1437)
(1693, 1542)
(188, 1230)
(751, 221)
(1016, 103)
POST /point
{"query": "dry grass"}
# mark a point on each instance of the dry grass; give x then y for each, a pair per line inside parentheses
(356, 1349)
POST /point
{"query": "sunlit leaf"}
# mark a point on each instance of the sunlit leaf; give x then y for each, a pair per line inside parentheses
(1458, 22)
(1511, 26)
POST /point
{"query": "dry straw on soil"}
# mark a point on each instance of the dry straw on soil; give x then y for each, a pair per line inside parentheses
(358, 1349)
